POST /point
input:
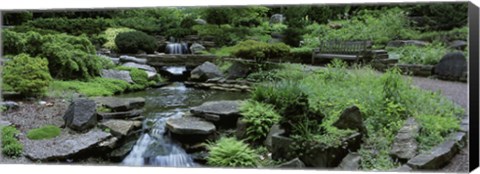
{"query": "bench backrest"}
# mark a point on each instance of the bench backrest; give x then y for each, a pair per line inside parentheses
(344, 47)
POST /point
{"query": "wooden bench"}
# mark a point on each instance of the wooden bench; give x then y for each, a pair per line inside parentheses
(346, 50)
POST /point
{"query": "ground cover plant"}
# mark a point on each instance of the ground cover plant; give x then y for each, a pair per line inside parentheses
(45, 132)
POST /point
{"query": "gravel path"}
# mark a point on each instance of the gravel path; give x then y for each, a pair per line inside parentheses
(457, 92)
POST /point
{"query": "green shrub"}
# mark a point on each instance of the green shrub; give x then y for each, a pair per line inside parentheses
(27, 75)
(69, 57)
(45, 132)
(289, 99)
(259, 117)
(10, 145)
(110, 34)
(260, 51)
(428, 55)
(229, 152)
(135, 41)
(304, 54)
(76, 26)
(13, 42)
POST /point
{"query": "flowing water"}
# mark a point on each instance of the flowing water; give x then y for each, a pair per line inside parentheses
(177, 48)
(155, 147)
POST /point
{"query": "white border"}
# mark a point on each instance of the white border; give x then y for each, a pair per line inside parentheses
(87, 4)
(8, 5)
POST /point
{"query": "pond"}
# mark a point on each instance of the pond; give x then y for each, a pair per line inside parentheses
(155, 147)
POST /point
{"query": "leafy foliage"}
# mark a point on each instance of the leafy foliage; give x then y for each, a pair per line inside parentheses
(229, 152)
(45, 132)
(10, 145)
(377, 26)
(139, 77)
(245, 16)
(260, 51)
(259, 118)
(69, 57)
(428, 55)
(27, 75)
(135, 41)
(77, 26)
(110, 34)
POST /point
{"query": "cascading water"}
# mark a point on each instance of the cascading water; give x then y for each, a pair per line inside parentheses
(154, 148)
(177, 48)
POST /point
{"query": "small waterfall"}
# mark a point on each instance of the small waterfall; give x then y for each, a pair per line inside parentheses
(177, 48)
(154, 148)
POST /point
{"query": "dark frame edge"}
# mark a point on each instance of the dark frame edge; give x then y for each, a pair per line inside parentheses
(473, 22)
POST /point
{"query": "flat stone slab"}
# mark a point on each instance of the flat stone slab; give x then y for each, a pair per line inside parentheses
(65, 146)
(121, 115)
(223, 113)
(190, 126)
(121, 104)
(220, 108)
(440, 155)
(120, 128)
(405, 145)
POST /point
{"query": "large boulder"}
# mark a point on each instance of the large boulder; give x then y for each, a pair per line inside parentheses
(197, 48)
(66, 146)
(238, 70)
(126, 58)
(405, 145)
(351, 118)
(205, 71)
(452, 66)
(277, 18)
(121, 104)
(81, 115)
(223, 113)
(117, 74)
(140, 66)
(121, 128)
(190, 130)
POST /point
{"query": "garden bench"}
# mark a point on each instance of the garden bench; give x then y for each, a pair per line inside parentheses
(346, 50)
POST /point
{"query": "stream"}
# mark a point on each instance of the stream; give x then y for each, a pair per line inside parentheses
(155, 147)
